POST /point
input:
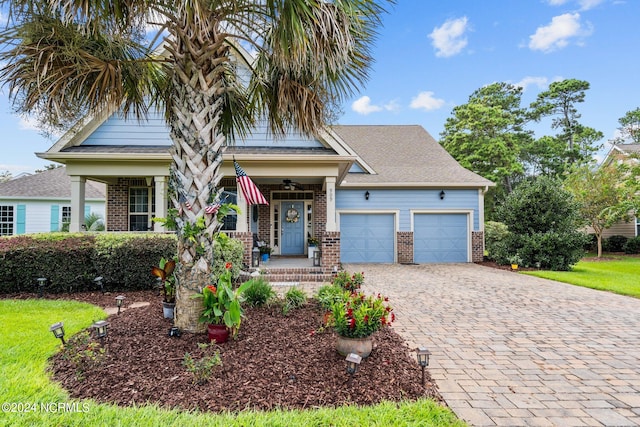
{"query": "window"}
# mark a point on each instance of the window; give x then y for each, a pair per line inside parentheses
(66, 214)
(6, 220)
(229, 221)
(141, 208)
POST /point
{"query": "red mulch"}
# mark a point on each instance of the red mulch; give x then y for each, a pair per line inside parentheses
(276, 362)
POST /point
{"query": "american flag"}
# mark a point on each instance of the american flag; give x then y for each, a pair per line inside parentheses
(183, 200)
(251, 192)
(212, 209)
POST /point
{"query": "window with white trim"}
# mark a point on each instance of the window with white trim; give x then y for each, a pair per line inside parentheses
(141, 208)
(7, 218)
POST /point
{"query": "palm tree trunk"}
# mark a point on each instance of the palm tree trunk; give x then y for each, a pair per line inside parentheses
(195, 170)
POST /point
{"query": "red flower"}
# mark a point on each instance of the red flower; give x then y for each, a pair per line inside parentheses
(212, 288)
(386, 298)
(312, 333)
(383, 320)
(228, 265)
(393, 317)
(350, 312)
(352, 323)
(366, 318)
(387, 309)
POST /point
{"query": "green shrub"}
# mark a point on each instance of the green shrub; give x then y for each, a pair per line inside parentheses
(614, 243)
(328, 295)
(543, 222)
(348, 281)
(226, 249)
(592, 243)
(258, 292)
(294, 298)
(495, 234)
(632, 246)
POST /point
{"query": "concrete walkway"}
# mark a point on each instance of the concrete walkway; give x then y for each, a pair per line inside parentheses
(514, 350)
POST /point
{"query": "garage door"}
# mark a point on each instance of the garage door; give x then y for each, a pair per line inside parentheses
(440, 238)
(367, 238)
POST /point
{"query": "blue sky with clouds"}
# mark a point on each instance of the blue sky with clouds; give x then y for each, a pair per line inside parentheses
(432, 54)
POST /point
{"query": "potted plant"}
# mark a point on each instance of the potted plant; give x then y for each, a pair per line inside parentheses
(164, 273)
(222, 307)
(312, 245)
(515, 261)
(265, 252)
(356, 318)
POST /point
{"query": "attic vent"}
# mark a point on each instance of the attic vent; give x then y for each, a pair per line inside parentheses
(137, 182)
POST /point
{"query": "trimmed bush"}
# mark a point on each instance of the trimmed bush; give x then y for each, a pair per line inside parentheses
(614, 243)
(258, 292)
(632, 246)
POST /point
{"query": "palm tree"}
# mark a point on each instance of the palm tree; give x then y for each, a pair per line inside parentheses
(66, 59)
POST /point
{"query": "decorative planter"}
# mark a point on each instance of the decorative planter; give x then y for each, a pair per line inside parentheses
(514, 266)
(265, 257)
(217, 333)
(359, 346)
(168, 309)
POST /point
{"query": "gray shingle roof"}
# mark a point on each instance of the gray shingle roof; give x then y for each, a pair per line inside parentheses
(404, 154)
(629, 148)
(54, 183)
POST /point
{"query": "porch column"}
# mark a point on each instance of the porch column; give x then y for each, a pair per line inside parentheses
(241, 223)
(330, 188)
(161, 201)
(77, 203)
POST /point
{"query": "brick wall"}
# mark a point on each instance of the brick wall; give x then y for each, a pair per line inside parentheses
(477, 246)
(330, 244)
(247, 241)
(405, 247)
(117, 208)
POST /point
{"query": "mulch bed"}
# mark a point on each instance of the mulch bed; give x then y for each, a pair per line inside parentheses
(277, 361)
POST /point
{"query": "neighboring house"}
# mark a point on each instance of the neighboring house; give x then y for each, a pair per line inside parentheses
(379, 194)
(623, 153)
(42, 202)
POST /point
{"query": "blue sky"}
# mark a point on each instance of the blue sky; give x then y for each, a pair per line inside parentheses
(432, 54)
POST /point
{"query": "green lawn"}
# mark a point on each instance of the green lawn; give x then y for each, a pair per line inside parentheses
(26, 344)
(620, 275)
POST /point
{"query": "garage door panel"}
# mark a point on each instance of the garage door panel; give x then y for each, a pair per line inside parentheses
(440, 238)
(367, 238)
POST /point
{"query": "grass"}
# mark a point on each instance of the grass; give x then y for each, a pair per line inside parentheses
(26, 344)
(619, 275)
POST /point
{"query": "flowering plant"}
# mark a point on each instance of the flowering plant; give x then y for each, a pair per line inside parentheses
(222, 303)
(359, 316)
(348, 281)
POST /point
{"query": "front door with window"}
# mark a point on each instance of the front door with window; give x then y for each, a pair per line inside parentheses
(292, 226)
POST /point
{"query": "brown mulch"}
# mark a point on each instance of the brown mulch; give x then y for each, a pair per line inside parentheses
(493, 264)
(277, 361)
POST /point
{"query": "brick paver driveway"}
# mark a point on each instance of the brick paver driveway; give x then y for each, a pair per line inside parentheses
(510, 349)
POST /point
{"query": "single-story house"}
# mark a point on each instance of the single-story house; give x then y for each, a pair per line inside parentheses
(41, 202)
(623, 153)
(369, 194)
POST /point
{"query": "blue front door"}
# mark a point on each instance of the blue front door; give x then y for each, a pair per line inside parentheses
(292, 228)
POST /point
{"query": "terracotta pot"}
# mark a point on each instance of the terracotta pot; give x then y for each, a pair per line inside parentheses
(217, 333)
(359, 346)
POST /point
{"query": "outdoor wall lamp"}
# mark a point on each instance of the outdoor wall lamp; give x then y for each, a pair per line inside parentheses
(366, 195)
(42, 281)
(442, 195)
(316, 258)
(119, 301)
(423, 354)
(98, 281)
(101, 329)
(58, 331)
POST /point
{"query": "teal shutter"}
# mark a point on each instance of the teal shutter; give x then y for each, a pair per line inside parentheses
(87, 210)
(55, 218)
(21, 218)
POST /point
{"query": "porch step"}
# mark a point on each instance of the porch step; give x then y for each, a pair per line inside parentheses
(299, 275)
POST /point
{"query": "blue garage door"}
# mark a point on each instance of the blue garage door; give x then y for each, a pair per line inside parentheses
(367, 238)
(440, 238)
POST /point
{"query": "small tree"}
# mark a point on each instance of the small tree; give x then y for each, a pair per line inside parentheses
(543, 226)
(602, 196)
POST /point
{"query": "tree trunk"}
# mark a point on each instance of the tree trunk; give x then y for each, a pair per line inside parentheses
(195, 171)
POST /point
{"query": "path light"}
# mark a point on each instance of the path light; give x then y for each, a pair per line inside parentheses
(98, 281)
(353, 362)
(423, 359)
(101, 329)
(42, 281)
(58, 331)
(119, 301)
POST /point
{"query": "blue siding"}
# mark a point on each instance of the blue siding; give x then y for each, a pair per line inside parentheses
(21, 219)
(55, 218)
(153, 131)
(405, 200)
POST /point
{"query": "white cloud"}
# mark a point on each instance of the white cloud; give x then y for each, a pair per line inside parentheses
(363, 106)
(449, 38)
(557, 34)
(557, 2)
(28, 123)
(426, 101)
(540, 82)
(584, 4)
